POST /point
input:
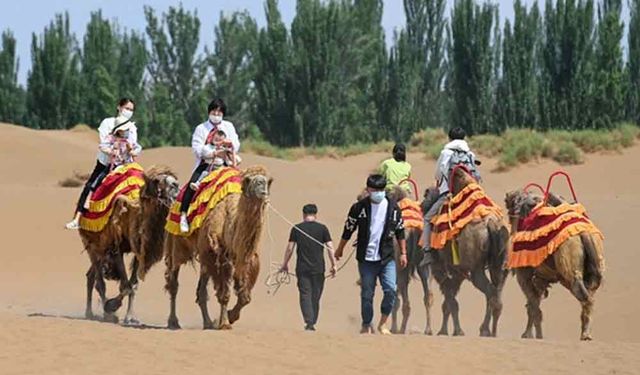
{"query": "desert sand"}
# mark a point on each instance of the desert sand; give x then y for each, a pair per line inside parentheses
(42, 271)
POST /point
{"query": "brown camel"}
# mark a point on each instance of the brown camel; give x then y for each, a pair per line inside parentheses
(226, 247)
(482, 244)
(577, 264)
(404, 275)
(134, 226)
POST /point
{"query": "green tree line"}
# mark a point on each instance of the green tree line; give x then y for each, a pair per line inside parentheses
(330, 79)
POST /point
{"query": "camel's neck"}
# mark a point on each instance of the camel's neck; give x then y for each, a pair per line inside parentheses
(248, 227)
(153, 219)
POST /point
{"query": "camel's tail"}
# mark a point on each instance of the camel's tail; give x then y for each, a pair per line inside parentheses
(497, 257)
(592, 272)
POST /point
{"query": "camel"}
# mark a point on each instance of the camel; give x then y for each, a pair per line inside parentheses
(577, 264)
(226, 247)
(482, 244)
(404, 275)
(134, 226)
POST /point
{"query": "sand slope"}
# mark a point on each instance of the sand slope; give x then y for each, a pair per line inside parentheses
(42, 271)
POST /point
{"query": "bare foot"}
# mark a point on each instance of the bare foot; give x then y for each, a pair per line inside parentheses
(383, 330)
(366, 330)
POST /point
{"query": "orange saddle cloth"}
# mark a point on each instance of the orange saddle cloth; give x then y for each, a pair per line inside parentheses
(469, 204)
(544, 230)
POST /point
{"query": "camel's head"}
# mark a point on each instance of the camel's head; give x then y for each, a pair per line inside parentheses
(161, 185)
(519, 204)
(256, 183)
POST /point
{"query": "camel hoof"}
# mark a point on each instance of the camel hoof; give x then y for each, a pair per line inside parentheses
(112, 305)
(208, 326)
(443, 332)
(428, 332)
(485, 333)
(527, 335)
(224, 327)
(173, 324)
(110, 318)
(131, 322)
(586, 337)
(458, 332)
(89, 315)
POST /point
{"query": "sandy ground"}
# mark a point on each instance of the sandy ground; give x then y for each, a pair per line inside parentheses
(42, 271)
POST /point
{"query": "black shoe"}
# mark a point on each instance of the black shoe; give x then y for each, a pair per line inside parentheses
(309, 327)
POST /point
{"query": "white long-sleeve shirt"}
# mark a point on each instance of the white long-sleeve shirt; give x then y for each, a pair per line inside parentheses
(104, 148)
(198, 141)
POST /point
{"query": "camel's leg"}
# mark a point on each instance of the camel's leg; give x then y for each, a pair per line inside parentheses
(454, 308)
(113, 304)
(101, 287)
(428, 296)
(587, 309)
(201, 299)
(222, 282)
(130, 317)
(171, 285)
(498, 278)
(91, 282)
(403, 289)
(534, 298)
(480, 281)
(243, 286)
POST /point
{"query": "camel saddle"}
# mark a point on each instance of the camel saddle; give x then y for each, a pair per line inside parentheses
(125, 180)
(470, 204)
(213, 188)
(544, 230)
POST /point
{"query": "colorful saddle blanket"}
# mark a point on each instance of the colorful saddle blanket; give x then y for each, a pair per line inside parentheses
(471, 203)
(544, 230)
(125, 180)
(213, 188)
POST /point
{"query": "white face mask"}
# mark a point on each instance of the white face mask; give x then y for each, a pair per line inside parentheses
(215, 119)
(126, 113)
(377, 196)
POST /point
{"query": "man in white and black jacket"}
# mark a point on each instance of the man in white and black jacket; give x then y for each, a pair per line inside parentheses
(378, 221)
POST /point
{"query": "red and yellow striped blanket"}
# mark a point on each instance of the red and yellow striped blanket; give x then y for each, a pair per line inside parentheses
(213, 188)
(544, 230)
(125, 180)
(469, 204)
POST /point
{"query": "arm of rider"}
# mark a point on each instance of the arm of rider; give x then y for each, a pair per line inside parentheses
(198, 143)
(332, 258)
(287, 256)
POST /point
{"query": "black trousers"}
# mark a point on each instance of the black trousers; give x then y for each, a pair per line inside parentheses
(189, 192)
(310, 287)
(100, 171)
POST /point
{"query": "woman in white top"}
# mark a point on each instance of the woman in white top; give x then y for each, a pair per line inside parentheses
(108, 127)
(205, 151)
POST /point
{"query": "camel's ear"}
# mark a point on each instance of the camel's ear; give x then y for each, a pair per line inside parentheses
(269, 182)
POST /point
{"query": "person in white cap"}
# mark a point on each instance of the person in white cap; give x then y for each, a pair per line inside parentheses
(121, 123)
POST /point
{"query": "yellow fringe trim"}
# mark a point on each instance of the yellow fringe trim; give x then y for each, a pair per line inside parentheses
(97, 225)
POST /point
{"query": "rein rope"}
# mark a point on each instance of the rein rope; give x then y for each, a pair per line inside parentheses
(277, 277)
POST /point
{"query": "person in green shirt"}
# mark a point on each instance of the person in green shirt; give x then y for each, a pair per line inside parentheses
(396, 169)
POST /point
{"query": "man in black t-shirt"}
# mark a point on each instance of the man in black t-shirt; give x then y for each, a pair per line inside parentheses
(310, 238)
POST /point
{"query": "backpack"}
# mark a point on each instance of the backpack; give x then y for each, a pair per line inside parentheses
(460, 157)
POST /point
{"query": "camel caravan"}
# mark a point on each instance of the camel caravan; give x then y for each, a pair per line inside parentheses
(455, 233)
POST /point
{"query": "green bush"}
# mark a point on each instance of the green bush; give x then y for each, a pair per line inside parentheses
(568, 153)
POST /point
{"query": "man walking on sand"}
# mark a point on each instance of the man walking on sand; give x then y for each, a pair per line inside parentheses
(310, 238)
(378, 221)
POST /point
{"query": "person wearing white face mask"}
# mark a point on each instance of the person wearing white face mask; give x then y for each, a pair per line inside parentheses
(108, 127)
(379, 222)
(205, 151)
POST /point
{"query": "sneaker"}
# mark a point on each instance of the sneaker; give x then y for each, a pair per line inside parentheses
(184, 224)
(72, 225)
(194, 186)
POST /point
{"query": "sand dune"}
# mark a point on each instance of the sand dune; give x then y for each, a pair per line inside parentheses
(42, 271)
